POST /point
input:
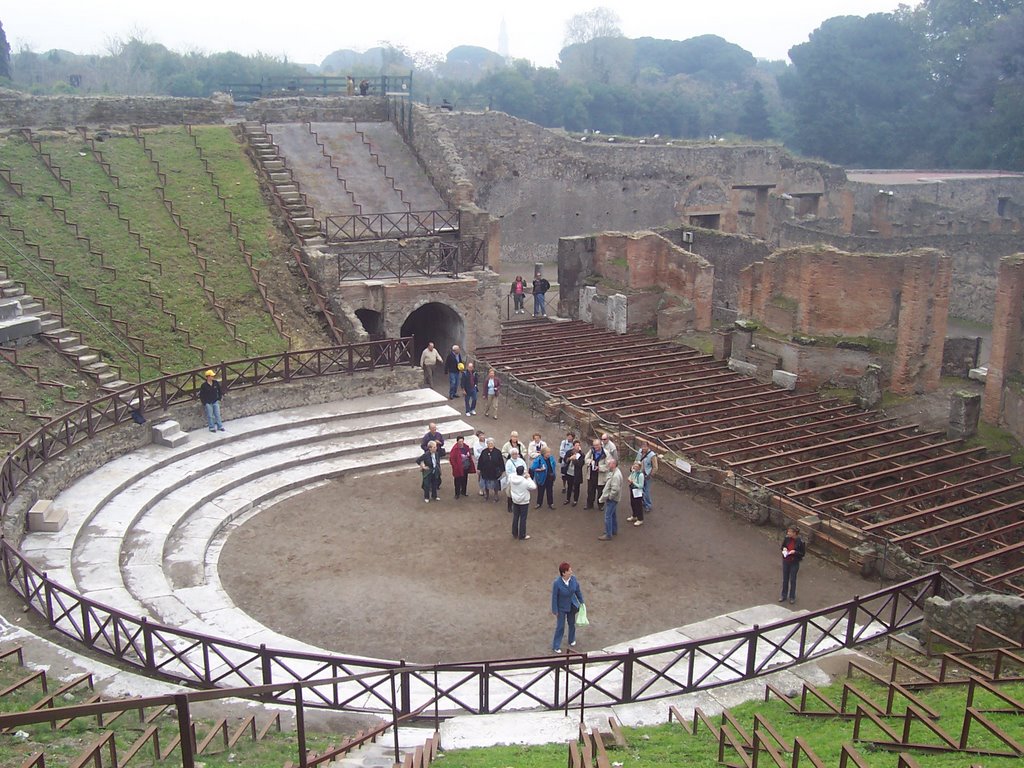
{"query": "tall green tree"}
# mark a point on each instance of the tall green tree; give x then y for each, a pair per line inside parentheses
(858, 89)
(5, 53)
(754, 121)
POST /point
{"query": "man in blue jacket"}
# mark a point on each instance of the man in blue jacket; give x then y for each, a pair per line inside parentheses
(566, 598)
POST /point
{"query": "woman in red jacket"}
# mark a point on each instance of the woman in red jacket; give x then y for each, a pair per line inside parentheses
(461, 460)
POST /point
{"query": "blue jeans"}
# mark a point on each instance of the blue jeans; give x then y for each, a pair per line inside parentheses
(538, 305)
(563, 616)
(611, 521)
(471, 400)
(213, 415)
(790, 568)
(647, 494)
(453, 384)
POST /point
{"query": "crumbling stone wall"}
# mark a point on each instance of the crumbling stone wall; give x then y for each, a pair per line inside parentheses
(545, 184)
(19, 110)
(957, 618)
(728, 254)
(901, 300)
(975, 259)
(1001, 404)
(326, 109)
(634, 263)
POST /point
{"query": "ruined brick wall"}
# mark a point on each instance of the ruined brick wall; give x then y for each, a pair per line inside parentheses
(821, 291)
(728, 254)
(1005, 360)
(828, 292)
(636, 262)
(19, 110)
(923, 311)
(975, 259)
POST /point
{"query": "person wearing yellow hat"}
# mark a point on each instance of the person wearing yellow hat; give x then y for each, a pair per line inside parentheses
(210, 395)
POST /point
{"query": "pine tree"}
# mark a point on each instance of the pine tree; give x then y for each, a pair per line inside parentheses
(5, 53)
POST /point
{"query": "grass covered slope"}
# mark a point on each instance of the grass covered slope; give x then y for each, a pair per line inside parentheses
(147, 286)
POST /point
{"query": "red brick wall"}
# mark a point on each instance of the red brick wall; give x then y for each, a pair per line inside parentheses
(645, 260)
(1005, 358)
(894, 298)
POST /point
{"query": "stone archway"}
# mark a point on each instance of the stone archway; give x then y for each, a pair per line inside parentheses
(435, 322)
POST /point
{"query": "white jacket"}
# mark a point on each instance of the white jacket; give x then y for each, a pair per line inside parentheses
(519, 487)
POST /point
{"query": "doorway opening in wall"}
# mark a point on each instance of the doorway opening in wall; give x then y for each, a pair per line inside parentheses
(373, 322)
(706, 221)
(435, 322)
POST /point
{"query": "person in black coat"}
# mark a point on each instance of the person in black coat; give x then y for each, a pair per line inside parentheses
(210, 395)
(451, 367)
(491, 465)
(572, 471)
(430, 466)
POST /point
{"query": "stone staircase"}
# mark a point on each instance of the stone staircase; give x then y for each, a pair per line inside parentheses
(64, 340)
(385, 141)
(301, 218)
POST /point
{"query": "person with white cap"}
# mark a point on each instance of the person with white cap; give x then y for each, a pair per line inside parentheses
(210, 395)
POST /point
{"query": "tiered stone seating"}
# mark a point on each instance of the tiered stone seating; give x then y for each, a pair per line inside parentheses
(157, 511)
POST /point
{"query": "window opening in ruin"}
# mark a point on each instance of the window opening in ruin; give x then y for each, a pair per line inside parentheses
(434, 322)
(707, 221)
(1001, 207)
(373, 322)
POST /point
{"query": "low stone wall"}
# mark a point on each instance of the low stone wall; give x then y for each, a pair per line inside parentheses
(957, 618)
(19, 110)
(62, 472)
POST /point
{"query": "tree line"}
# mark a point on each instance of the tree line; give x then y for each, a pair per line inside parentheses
(937, 85)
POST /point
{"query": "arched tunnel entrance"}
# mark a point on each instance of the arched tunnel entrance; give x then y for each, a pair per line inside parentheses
(434, 322)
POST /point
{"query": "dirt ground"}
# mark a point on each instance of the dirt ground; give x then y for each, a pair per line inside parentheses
(362, 566)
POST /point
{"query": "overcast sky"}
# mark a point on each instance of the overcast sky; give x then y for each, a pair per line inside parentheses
(306, 32)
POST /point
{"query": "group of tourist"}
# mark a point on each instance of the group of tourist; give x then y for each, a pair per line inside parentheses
(519, 470)
(463, 377)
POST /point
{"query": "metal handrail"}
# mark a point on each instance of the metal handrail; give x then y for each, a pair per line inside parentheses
(377, 226)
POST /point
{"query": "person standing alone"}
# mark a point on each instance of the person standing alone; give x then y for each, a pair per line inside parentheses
(210, 395)
(793, 550)
(566, 599)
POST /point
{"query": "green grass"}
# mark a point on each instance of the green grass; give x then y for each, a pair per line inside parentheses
(63, 746)
(997, 440)
(670, 745)
(194, 198)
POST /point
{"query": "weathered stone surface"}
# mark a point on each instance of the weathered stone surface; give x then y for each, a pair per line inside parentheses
(964, 411)
(958, 617)
(747, 369)
(869, 388)
(784, 379)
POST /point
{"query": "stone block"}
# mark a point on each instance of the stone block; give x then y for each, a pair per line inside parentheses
(10, 309)
(587, 294)
(617, 318)
(44, 517)
(168, 433)
(739, 366)
(18, 328)
(869, 388)
(978, 374)
(721, 345)
(784, 379)
(964, 412)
